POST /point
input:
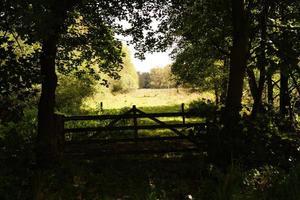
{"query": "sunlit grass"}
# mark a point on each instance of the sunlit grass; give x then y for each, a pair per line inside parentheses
(145, 98)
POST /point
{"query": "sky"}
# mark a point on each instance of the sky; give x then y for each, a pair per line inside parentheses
(158, 59)
(152, 60)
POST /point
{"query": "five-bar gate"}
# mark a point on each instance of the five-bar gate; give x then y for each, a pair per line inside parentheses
(100, 138)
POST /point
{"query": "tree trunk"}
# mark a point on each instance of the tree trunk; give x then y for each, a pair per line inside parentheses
(270, 91)
(252, 83)
(217, 95)
(228, 141)
(284, 93)
(238, 62)
(224, 82)
(48, 140)
(257, 105)
(47, 149)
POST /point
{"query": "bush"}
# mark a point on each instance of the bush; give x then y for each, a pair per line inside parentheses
(270, 183)
(203, 108)
(70, 93)
(252, 143)
(17, 156)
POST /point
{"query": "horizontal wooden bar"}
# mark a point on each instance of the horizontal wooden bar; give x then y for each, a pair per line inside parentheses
(96, 153)
(140, 127)
(128, 116)
(107, 141)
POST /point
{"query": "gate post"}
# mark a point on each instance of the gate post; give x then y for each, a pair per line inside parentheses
(135, 122)
(59, 134)
(183, 114)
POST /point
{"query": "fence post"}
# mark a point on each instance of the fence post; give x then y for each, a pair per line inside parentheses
(59, 134)
(183, 114)
(135, 124)
(101, 106)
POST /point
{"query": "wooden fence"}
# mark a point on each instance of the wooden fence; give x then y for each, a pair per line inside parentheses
(133, 115)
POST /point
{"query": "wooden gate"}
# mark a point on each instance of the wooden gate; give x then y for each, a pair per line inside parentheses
(98, 139)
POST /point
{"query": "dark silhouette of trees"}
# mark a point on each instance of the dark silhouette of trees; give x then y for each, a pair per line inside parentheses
(50, 23)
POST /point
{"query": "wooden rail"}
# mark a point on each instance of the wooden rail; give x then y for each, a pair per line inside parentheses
(128, 116)
(134, 114)
(134, 127)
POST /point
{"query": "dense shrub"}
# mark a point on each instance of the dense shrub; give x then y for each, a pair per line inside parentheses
(255, 143)
(70, 93)
(203, 108)
(17, 156)
(129, 79)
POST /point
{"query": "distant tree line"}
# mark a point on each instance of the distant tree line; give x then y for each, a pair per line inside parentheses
(129, 79)
(157, 78)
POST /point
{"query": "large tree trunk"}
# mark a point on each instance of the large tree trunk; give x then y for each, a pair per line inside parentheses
(257, 105)
(228, 143)
(238, 62)
(48, 140)
(47, 146)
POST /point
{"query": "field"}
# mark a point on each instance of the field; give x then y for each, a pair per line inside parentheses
(145, 98)
(157, 176)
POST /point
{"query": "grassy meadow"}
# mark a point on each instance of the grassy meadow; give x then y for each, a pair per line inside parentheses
(148, 99)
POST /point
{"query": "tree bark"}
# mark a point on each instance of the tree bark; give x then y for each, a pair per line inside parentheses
(252, 83)
(229, 141)
(224, 82)
(217, 95)
(47, 149)
(257, 105)
(238, 62)
(284, 90)
(270, 91)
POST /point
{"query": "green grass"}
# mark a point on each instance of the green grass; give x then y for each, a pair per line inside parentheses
(146, 99)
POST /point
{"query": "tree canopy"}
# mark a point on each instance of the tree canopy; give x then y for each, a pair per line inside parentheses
(218, 45)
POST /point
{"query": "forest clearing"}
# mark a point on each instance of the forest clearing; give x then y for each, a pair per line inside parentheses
(149, 100)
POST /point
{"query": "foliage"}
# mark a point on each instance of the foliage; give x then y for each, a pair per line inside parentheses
(19, 75)
(253, 143)
(74, 89)
(157, 78)
(203, 34)
(83, 31)
(211, 77)
(71, 92)
(128, 75)
(89, 48)
(161, 78)
(268, 145)
(17, 155)
(201, 31)
(19, 70)
(144, 80)
(203, 108)
(268, 182)
(81, 42)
